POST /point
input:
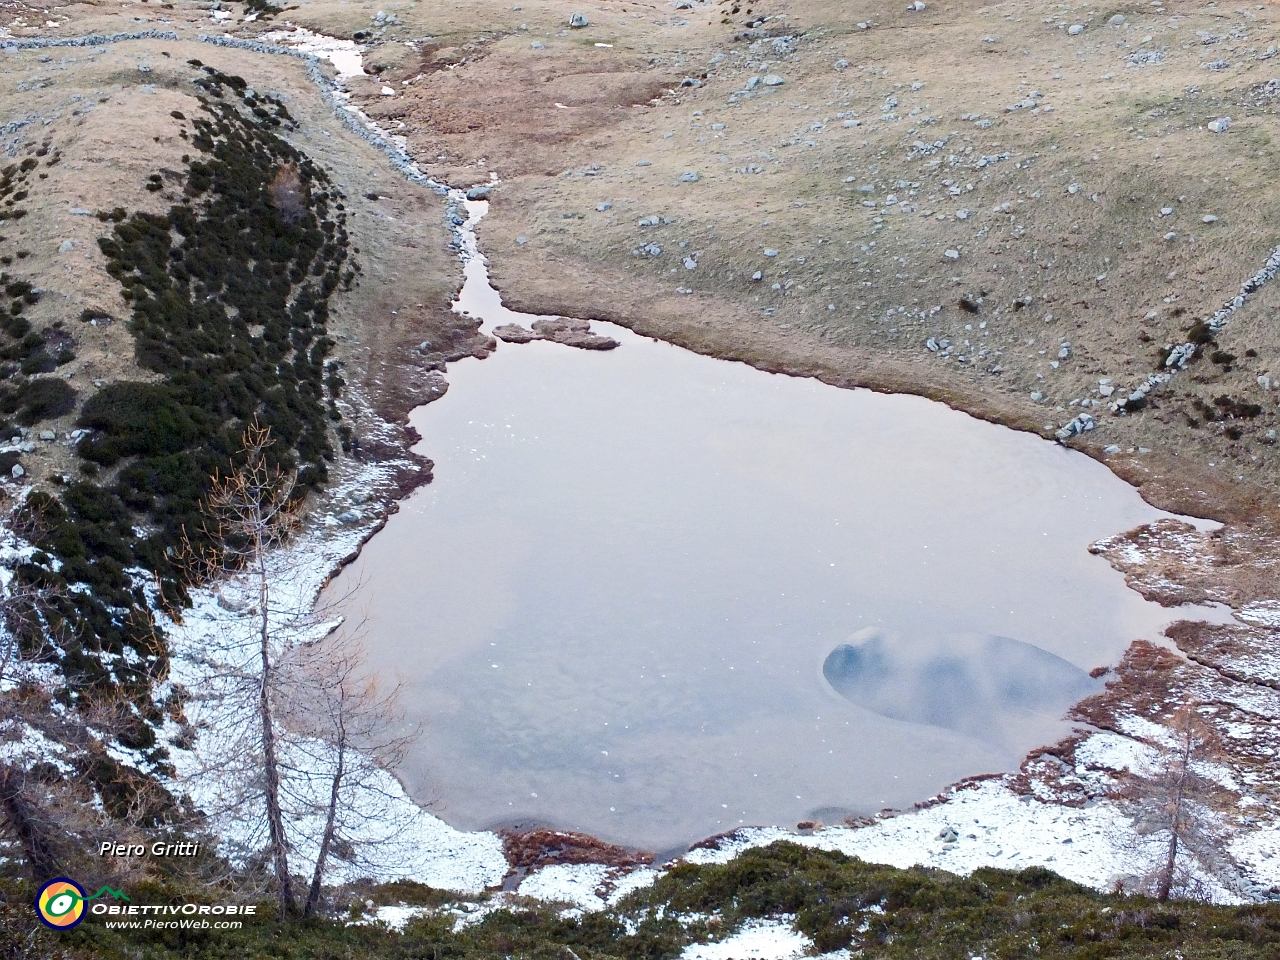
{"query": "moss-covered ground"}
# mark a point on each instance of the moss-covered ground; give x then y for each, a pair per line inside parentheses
(837, 901)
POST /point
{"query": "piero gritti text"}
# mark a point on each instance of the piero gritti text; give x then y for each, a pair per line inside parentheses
(160, 849)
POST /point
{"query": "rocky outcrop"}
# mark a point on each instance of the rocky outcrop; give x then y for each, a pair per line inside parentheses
(572, 333)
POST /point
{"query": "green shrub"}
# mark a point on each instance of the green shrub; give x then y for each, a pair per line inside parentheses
(45, 399)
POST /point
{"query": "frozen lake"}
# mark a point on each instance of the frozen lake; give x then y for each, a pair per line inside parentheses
(655, 596)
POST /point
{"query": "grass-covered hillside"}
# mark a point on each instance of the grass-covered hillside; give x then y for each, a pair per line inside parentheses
(837, 902)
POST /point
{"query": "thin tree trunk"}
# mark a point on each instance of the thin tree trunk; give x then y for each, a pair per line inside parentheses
(330, 824)
(275, 821)
(24, 823)
(1165, 884)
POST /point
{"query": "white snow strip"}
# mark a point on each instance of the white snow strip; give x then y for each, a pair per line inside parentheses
(568, 883)
(1110, 751)
(345, 55)
(773, 939)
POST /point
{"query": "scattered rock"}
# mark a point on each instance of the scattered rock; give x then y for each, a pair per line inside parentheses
(572, 333)
(1111, 449)
(650, 221)
(771, 253)
(949, 835)
(1117, 19)
(80, 212)
(690, 263)
(1220, 125)
(17, 471)
(952, 254)
(579, 20)
(916, 7)
(772, 80)
(480, 192)
(514, 333)
(48, 435)
(1037, 396)
(66, 246)
(602, 207)
(643, 163)
(842, 64)
(1209, 218)
(1075, 29)
(1081, 424)
(1144, 58)
(757, 276)
(689, 176)
(538, 45)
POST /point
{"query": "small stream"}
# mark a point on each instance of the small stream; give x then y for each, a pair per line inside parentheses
(654, 596)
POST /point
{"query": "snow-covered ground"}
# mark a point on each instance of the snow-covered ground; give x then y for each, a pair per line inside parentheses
(772, 939)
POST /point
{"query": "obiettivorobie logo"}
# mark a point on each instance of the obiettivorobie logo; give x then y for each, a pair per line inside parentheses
(60, 902)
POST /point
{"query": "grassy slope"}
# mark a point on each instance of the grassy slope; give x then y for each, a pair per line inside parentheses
(837, 901)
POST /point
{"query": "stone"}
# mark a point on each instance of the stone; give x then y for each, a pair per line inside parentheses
(1220, 125)
(1209, 218)
(1075, 29)
(514, 333)
(689, 176)
(538, 45)
(1037, 396)
(1111, 449)
(572, 333)
(1117, 19)
(772, 80)
(17, 471)
(917, 7)
(949, 835)
(48, 435)
(1166, 211)
(424, 346)
(579, 20)
(80, 212)
(757, 276)
(480, 192)
(1081, 424)
(602, 207)
(842, 64)
(1264, 383)
(1171, 235)
(66, 246)
(643, 163)
(522, 240)
(771, 253)
(952, 254)
(963, 214)
(649, 221)
(1064, 352)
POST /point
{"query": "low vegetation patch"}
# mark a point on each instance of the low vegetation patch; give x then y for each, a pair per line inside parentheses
(228, 297)
(837, 901)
